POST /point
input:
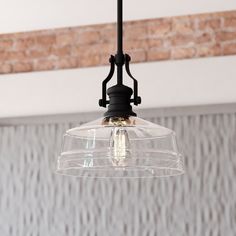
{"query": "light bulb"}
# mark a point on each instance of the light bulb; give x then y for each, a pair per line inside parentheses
(119, 141)
(119, 147)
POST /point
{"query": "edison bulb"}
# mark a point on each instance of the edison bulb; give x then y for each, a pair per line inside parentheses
(119, 147)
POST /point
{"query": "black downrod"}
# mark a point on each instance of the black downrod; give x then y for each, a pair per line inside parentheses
(120, 27)
(120, 55)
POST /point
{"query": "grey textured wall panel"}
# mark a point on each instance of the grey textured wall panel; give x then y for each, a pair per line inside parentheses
(36, 202)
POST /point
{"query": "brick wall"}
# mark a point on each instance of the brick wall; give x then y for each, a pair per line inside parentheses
(171, 38)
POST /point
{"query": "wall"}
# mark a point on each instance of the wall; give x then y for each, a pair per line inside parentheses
(169, 38)
(34, 201)
(53, 90)
(157, 44)
(26, 15)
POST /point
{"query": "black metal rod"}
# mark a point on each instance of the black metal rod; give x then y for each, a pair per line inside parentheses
(120, 55)
(120, 75)
(120, 27)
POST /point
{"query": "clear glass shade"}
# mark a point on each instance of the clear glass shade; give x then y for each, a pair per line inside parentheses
(120, 147)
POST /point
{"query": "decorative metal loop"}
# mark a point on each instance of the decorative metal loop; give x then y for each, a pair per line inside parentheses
(103, 102)
(137, 99)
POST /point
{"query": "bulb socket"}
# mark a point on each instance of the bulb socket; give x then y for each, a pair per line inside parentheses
(119, 104)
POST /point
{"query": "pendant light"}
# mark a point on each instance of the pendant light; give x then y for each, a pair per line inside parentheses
(120, 145)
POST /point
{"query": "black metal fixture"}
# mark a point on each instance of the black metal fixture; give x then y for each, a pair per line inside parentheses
(120, 145)
(119, 95)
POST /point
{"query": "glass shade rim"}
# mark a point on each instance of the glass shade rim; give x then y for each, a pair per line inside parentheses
(178, 172)
(169, 167)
